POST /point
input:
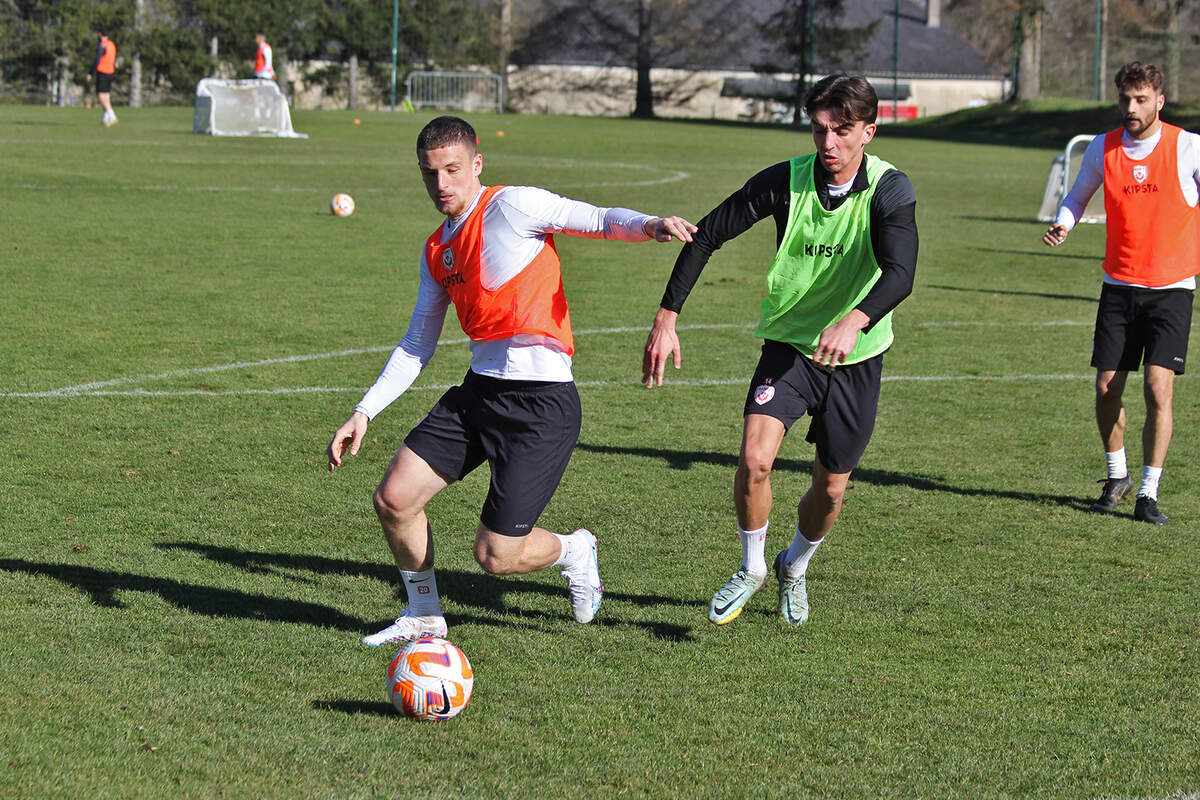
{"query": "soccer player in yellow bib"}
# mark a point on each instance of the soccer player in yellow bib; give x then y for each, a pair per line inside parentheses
(846, 233)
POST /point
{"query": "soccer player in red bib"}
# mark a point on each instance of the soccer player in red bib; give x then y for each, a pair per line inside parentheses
(1150, 172)
(264, 58)
(517, 408)
(104, 68)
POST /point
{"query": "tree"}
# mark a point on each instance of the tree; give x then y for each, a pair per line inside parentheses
(808, 33)
(640, 34)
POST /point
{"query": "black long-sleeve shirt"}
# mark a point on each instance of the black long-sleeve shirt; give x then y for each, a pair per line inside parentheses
(768, 194)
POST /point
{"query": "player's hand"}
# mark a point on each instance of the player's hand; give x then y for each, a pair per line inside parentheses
(839, 339)
(661, 342)
(664, 229)
(1056, 235)
(350, 435)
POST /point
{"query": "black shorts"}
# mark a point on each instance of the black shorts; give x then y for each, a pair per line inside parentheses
(1131, 322)
(103, 83)
(843, 402)
(525, 430)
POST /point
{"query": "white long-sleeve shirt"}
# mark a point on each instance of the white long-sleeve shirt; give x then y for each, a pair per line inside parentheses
(515, 225)
(1091, 178)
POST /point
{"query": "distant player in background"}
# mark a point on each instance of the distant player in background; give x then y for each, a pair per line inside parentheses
(105, 67)
(517, 408)
(1150, 172)
(846, 232)
(263, 59)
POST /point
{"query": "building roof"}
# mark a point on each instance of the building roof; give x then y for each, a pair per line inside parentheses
(602, 33)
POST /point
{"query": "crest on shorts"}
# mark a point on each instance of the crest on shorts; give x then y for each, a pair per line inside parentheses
(448, 258)
(764, 393)
(1140, 173)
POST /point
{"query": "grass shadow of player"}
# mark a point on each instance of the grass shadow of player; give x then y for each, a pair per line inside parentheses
(355, 707)
(1046, 295)
(683, 460)
(488, 594)
(102, 587)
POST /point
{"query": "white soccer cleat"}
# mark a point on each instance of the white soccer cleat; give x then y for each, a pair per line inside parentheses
(583, 580)
(407, 628)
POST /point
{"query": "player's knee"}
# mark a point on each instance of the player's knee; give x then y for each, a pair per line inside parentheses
(755, 465)
(491, 561)
(392, 504)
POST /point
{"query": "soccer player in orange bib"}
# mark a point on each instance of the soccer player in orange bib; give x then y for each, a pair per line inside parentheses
(263, 58)
(517, 408)
(105, 67)
(1150, 171)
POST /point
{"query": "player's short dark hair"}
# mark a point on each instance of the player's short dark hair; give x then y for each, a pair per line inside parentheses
(1135, 75)
(852, 96)
(446, 131)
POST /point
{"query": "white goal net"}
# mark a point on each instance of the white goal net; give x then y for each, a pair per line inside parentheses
(242, 108)
(1062, 172)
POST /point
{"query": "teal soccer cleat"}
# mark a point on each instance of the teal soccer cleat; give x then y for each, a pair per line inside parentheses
(793, 594)
(729, 600)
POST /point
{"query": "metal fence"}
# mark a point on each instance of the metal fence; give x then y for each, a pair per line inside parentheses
(469, 91)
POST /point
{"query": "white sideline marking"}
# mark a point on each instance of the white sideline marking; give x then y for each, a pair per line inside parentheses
(91, 388)
(103, 388)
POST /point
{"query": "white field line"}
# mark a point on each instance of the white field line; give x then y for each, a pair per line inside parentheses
(667, 382)
(104, 388)
(96, 386)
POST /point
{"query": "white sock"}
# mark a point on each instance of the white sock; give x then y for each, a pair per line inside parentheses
(421, 587)
(1117, 468)
(573, 546)
(795, 563)
(754, 545)
(1150, 479)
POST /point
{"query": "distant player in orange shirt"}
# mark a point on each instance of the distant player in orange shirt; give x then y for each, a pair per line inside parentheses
(494, 259)
(264, 58)
(105, 67)
(1150, 171)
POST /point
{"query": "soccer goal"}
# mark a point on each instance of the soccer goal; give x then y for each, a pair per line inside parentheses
(469, 91)
(1062, 172)
(242, 108)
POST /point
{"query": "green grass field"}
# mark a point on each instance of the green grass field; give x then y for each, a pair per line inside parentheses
(183, 583)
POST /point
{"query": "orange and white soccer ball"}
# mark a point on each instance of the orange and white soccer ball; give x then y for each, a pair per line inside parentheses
(342, 205)
(430, 679)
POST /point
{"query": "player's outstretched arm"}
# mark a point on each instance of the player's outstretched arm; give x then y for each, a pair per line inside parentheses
(349, 436)
(661, 342)
(1055, 235)
(664, 229)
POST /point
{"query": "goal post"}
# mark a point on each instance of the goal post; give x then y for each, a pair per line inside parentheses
(469, 91)
(1063, 171)
(253, 107)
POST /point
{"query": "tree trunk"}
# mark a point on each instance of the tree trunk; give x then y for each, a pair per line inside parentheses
(1174, 62)
(135, 67)
(643, 106)
(506, 46)
(352, 102)
(1029, 85)
(804, 23)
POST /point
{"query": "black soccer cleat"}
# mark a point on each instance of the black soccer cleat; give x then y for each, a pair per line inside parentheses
(1146, 510)
(1114, 489)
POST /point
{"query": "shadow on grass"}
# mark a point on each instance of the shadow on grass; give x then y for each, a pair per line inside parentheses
(102, 586)
(1046, 295)
(682, 460)
(356, 707)
(473, 589)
